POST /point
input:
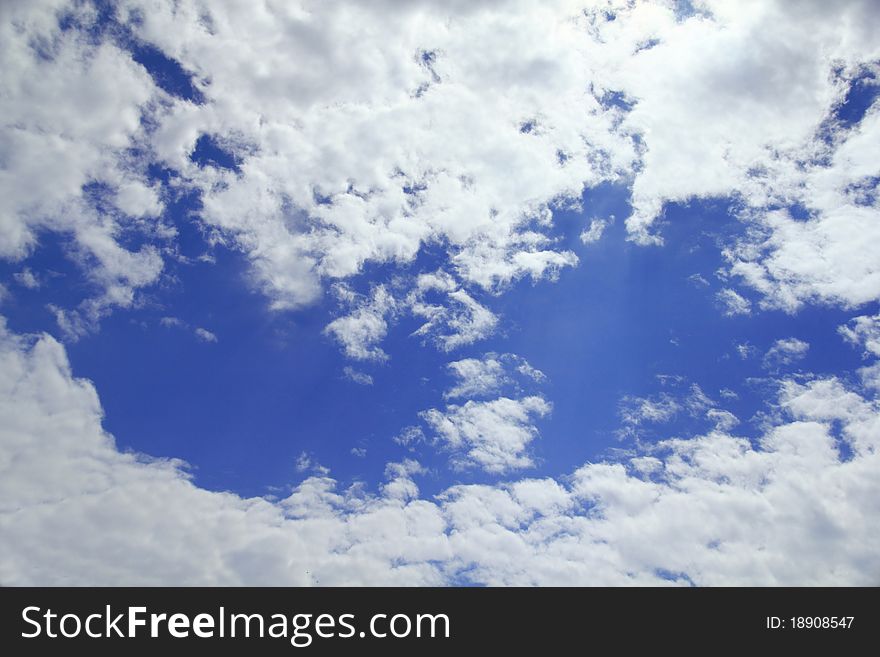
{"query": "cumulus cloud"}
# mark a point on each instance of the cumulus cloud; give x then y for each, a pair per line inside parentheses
(350, 148)
(710, 510)
(636, 411)
(359, 136)
(355, 376)
(201, 334)
(493, 435)
(26, 278)
(68, 166)
(455, 319)
(305, 462)
(594, 232)
(489, 374)
(639, 413)
(785, 352)
(827, 257)
(723, 108)
(366, 325)
(205, 335)
(494, 427)
(698, 280)
(733, 303)
(171, 322)
(410, 436)
(451, 317)
(863, 331)
(692, 83)
(350, 145)
(746, 350)
(477, 376)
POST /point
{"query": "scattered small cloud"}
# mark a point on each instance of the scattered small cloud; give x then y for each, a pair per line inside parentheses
(305, 462)
(698, 280)
(732, 303)
(456, 319)
(361, 330)
(492, 435)
(172, 322)
(531, 372)
(669, 379)
(27, 278)
(746, 350)
(785, 352)
(410, 436)
(723, 420)
(480, 377)
(205, 335)
(594, 232)
(863, 331)
(636, 413)
(355, 376)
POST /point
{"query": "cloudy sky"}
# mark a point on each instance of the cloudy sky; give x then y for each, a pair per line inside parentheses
(423, 292)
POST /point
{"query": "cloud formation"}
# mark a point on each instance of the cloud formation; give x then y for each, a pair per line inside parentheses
(785, 352)
(714, 509)
(350, 148)
(349, 138)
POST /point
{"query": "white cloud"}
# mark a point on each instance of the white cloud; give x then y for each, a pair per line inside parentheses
(594, 232)
(351, 145)
(454, 317)
(718, 97)
(733, 303)
(364, 134)
(493, 435)
(698, 280)
(863, 331)
(365, 326)
(410, 436)
(479, 377)
(68, 166)
(636, 412)
(351, 149)
(27, 278)
(723, 420)
(205, 335)
(713, 510)
(353, 375)
(528, 371)
(785, 352)
(305, 462)
(725, 107)
(870, 376)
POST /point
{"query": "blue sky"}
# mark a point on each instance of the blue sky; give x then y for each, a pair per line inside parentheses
(644, 246)
(243, 409)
